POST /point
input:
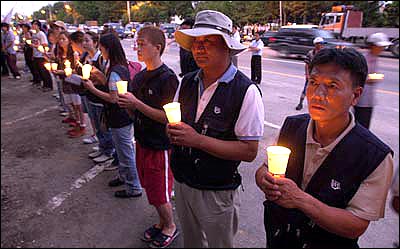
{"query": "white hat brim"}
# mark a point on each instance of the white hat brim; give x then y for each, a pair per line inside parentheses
(186, 37)
(383, 43)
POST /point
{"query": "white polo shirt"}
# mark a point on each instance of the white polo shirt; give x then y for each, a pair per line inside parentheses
(250, 123)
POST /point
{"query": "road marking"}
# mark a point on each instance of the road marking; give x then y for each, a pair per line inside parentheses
(302, 77)
(31, 115)
(387, 92)
(277, 73)
(57, 200)
(293, 62)
(272, 125)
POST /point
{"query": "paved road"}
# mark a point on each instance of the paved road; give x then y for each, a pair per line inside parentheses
(52, 196)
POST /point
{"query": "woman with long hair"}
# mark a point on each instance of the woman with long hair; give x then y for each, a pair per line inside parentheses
(117, 118)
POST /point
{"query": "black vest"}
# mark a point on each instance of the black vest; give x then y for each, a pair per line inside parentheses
(116, 116)
(353, 159)
(197, 168)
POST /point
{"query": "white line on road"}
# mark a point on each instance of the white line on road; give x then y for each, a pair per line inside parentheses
(57, 200)
(31, 115)
(284, 61)
(272, 125)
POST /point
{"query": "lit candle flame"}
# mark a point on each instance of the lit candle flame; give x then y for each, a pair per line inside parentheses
(54, 66)
(41, 49)
(68, 71)
(122, 87)
(376, 76)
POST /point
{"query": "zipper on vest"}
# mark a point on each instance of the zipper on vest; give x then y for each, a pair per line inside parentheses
(204, 130)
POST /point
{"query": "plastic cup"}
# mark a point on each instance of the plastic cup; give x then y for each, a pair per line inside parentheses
(376, 76)
(122, 87)
(54, 66)
(86, 71)
(278, 157)
(173, 111)
(47, 65)
(68, 71)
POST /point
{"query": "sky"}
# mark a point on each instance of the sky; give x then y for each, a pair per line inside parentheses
(23, 7)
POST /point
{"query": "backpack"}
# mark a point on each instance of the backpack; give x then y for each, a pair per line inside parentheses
(134, 68)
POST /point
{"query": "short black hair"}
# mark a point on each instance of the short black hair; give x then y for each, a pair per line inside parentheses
(346, 58)
(189, 22)
(39, 24)
(4, 24)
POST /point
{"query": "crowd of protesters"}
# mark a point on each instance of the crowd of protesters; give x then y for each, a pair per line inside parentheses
(339, 172)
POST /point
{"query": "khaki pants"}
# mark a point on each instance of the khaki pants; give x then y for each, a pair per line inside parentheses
(208, 218)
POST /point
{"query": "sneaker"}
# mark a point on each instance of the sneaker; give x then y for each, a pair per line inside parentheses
(299, 107)
(54, 95)
(95, 148)
(102, 158)
(95, 154)
(90, 140)
(124, 194)
(63, 114)
(116, 182)
(18, 77)
(110, 167)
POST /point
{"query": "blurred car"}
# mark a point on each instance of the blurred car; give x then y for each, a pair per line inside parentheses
(266, 35)
(298, 41)
(169, 30)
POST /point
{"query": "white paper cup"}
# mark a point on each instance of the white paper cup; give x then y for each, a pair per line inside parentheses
(122, 87)
(278, 157)
(173, 111)
(86, 71)
(54, 66)
(47, 65)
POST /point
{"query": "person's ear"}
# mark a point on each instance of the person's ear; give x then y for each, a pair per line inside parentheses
(356, 95)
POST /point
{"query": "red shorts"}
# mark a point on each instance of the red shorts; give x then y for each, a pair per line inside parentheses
(155, 174)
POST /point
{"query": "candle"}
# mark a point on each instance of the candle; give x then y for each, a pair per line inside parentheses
(86, 71)
(67, 63)
(173, 111)
(23, 38)
(122, 87)
(29, 42)
(47, 49)
(68, 71)
(33, 31)
(41, 49)
(278, 157)
(47, 65)
(54, 66)
(15, 48)
(16, 42)
(376, 76)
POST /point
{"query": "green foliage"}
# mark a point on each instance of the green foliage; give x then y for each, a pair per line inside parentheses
(241, 12)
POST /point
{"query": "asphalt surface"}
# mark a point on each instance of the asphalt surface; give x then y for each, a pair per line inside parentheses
(52, 196)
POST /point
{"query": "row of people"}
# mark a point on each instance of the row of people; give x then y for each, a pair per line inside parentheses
(338, 174)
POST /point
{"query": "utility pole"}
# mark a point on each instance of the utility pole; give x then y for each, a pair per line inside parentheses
(280, 13)
(128, 8)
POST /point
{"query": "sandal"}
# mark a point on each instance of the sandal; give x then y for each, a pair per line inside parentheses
(162, 240)
(151, 233)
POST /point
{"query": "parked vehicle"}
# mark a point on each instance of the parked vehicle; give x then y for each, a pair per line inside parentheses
(168, 29)
(298, 41)
(346, 23)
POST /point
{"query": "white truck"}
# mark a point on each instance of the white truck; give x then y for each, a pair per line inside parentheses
(346, 23)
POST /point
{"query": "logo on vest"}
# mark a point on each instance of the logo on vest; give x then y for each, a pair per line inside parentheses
(150, 92)
(335, 185)
(217, 110)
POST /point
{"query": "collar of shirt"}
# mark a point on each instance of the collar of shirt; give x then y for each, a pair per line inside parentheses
(226, 77)
(328, 148)
(96, 56)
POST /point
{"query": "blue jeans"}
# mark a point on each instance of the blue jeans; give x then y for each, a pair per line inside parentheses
(122, 138)
(105, 138)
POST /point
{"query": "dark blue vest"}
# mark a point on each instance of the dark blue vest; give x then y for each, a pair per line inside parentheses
(197, 168)
(354, 158)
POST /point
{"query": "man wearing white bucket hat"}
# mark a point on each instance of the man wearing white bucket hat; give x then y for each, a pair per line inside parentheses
(363, 110)
(222, 122)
